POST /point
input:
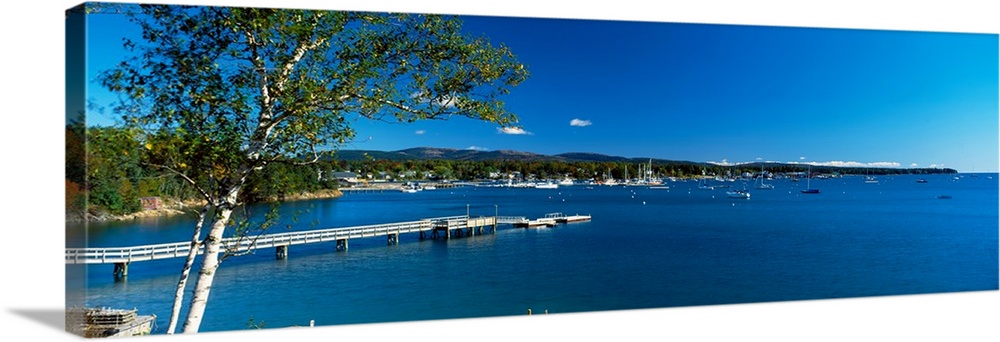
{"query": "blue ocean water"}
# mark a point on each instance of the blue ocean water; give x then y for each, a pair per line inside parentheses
(644, 248)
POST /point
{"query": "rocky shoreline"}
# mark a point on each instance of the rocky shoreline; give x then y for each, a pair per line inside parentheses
(173, 207)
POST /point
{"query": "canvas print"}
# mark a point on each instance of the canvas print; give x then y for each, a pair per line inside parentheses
(233, 168)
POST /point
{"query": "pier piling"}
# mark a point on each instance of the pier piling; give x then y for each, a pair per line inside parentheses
(121, 271)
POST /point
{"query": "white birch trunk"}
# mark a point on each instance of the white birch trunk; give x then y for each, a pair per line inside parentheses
(182, 283)
(213, 244)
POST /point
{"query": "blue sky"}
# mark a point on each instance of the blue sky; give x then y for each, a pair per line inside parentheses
(717, 93)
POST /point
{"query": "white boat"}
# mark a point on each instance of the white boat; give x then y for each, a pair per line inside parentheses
(762, 185)
(566, 181)
(704, 186)
(738, 194)
(870, 178)
(410, 187)
(546, 185)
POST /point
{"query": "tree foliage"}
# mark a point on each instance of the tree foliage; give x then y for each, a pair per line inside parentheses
(217, 94)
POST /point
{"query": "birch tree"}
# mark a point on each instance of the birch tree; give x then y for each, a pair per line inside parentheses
(222, 92)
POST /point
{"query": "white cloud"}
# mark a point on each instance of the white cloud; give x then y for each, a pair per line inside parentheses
(420, 132)
(833, 163)
(477, 148)
(884, 164)
(513, 131)
(837, 163)
(913, 165)
(726, 162)
(802, 158)
(580, 123)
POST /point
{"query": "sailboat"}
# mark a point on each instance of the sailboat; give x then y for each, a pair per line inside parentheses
(809, 189)
(764, 186)
(870, 178)
(704, 185)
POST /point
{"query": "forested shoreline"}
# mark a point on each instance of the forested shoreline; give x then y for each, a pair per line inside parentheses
(107, 172)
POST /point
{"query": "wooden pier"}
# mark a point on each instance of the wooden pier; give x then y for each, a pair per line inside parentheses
(433, 228)
(440, 227)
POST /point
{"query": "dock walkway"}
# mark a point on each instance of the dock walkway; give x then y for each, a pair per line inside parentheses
(434, 228)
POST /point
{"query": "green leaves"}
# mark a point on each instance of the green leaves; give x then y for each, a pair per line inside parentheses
(221, 91)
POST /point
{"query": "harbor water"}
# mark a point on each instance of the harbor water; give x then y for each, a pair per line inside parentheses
(643, 248)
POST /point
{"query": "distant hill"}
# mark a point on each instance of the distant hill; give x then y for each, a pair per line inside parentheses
(433, 153)
(591, 157)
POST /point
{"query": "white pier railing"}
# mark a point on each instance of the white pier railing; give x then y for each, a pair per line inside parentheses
(117, 255)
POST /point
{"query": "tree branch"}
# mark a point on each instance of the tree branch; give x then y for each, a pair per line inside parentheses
(297, 55)
(186, 179)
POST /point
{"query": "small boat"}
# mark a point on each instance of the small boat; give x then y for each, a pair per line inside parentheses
(809, 189)
(762, 185)
(921, 181)
(870, 178)
(546, 185)
(738, 194)
(411, 187)
(705, 186)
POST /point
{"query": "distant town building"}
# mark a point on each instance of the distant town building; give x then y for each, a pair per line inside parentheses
(344, 178)
(383, 176)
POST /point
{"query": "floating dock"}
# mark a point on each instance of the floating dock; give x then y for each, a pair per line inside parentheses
(542, 222)
(550, 220)
(106, 322)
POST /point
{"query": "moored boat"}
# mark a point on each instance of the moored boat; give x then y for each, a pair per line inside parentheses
(546, 185)
(809, 189)
(738, 194)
